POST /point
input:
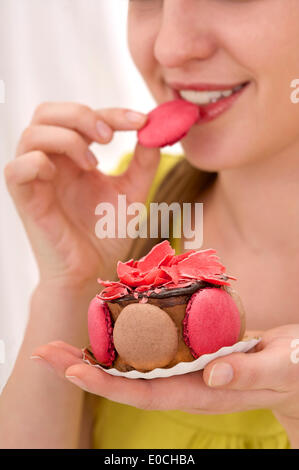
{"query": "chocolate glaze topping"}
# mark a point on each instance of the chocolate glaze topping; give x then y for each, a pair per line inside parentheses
(165, 293)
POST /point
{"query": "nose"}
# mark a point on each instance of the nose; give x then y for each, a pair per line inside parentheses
(184, 33)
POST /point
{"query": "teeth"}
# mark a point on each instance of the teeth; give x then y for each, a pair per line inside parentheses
(206, 97)
(227, 93)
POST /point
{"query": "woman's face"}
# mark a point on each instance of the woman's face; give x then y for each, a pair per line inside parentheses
(217, 46)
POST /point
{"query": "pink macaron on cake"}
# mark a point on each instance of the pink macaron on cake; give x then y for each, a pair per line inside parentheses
(163, 310)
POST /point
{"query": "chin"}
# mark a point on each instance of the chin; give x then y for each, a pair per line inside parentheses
(228, 142)
(212, 159)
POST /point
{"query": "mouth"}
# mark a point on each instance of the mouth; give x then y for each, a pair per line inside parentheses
(213, 100)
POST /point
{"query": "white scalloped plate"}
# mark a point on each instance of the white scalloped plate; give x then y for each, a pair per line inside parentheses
(183, 367)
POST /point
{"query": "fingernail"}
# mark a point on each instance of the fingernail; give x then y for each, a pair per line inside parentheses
(76, 381)
(42, 361)
(92, 161)
(221, 374)
(103, 130)
(135, 118)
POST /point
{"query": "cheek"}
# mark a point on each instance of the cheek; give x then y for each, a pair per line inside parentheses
(277, 117)
(265, 121)
(262, 34)
(142, 34)
(269, 50)
(263, 124)
(141, 37)
(258, 133)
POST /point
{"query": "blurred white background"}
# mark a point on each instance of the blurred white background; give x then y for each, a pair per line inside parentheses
(57, 50)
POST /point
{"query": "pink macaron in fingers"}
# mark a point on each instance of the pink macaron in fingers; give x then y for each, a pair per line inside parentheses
(168, 123)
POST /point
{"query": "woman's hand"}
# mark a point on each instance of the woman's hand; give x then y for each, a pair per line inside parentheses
(56, 188)
(267, 377)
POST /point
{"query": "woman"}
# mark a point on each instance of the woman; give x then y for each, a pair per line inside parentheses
(240, 57)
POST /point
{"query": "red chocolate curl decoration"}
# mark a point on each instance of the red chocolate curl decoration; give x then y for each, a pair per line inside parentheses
(162, 268)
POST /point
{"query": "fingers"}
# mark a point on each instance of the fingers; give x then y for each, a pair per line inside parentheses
(75, 117)
(141, 170)
(173, 393)
(186, 392)
(19, 173)
(69, 128)
(67, 361)
(267, 369)
(97, 126)
(68, 347)
(59, 355)
(122, 119)
(144, 159)
(254, 333)
(29, 167)
(119, 389)
(56, 140)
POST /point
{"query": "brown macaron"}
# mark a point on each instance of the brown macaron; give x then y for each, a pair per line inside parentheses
(145, 336)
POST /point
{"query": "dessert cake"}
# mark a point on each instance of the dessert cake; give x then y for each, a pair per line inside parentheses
(165, 309)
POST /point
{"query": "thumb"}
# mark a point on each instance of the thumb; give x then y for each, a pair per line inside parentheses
(265, 369)
(141, 170)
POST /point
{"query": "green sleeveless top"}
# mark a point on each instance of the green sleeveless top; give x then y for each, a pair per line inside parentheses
(120, 426)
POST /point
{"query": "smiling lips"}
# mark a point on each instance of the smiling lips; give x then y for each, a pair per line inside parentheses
(212, 100)
(171, 121)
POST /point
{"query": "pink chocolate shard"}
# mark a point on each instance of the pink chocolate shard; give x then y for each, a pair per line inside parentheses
(178, 258)
(156, 256)
(161, 267)
(146, 271)
(113, 290)
(212, 321)
(172, 272)
(168, 123)
(201, 263)
(100, 332)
